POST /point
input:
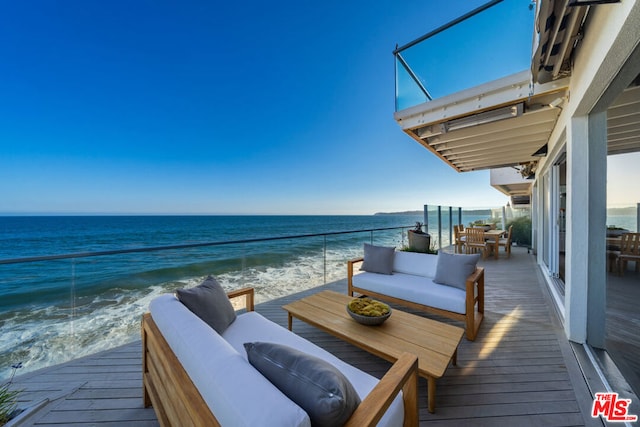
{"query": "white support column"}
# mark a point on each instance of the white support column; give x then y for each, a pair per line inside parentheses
(585, 291)
(538, 212)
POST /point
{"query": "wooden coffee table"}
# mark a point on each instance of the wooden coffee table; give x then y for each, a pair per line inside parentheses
(435, 343)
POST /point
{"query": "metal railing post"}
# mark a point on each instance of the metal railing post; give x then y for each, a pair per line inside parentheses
(450, 224)
(325, 259)
(243, 265)
(439, 227)
(72, 311)
(426, 217)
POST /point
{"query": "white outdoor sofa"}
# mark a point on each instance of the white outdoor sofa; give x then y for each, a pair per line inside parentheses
(194, 376)
(410, 281)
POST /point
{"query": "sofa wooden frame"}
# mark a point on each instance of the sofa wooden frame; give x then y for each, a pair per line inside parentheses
(474, 297)
(177, 402)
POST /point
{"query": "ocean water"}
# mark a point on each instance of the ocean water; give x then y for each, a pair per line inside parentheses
(629, 222)
(56, 310)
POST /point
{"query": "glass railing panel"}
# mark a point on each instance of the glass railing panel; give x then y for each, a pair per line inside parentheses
(284, 267)
(492, 44)
(343, 247)
(408, 92)
(441, 220)
(621, 219)
(433, 222)
(55, 310)
(36, 308)
(480, 216)
(446, 229)
(396, 237)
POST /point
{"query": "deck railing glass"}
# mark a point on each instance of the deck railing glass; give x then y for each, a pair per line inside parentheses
(627, 218)
(439, 220)
(487, 43)
(61, 307)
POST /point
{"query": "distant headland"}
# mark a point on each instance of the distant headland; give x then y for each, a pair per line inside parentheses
(628, 211)
(400, 213)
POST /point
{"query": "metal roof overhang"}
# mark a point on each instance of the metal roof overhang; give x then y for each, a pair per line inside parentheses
(497, 124)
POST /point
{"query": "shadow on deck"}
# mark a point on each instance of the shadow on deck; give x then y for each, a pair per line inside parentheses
(520, 371)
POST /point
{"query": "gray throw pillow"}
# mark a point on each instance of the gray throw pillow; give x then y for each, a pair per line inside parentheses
(378, 259)
(209, 302)
(315, 385)
(453, 269)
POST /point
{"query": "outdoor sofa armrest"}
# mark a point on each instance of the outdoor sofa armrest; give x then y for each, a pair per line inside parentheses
(476, 276)
(473, 320)
(403, 375)
(350, 264)
(247, 293)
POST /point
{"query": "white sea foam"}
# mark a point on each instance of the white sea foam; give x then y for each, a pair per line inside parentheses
(49, 336)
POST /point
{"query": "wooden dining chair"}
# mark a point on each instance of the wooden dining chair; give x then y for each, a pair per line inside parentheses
(459, 239)
(506, 241)
(475, 241)
(629, 251)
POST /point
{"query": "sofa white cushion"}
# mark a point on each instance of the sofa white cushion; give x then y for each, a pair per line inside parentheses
(415, 263)
(222, 375)
(252, 326)
(418, 289)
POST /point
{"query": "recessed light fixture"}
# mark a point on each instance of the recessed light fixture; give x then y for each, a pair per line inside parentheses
(490, 116)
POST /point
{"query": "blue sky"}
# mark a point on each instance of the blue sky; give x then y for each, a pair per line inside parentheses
(208, 107)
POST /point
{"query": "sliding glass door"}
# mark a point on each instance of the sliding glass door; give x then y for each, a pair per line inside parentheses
(554, 198)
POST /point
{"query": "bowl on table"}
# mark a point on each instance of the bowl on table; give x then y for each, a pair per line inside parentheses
(368, 311)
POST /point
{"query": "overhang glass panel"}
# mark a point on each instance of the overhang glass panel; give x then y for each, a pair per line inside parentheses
(486, 44)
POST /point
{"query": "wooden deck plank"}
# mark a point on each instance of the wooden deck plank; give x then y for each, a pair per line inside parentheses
(519, 371)
(84, 404)
(122, 415)
(545, 420)
(512, 397)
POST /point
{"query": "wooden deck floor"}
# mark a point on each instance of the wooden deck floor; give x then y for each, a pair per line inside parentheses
(520, 370)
